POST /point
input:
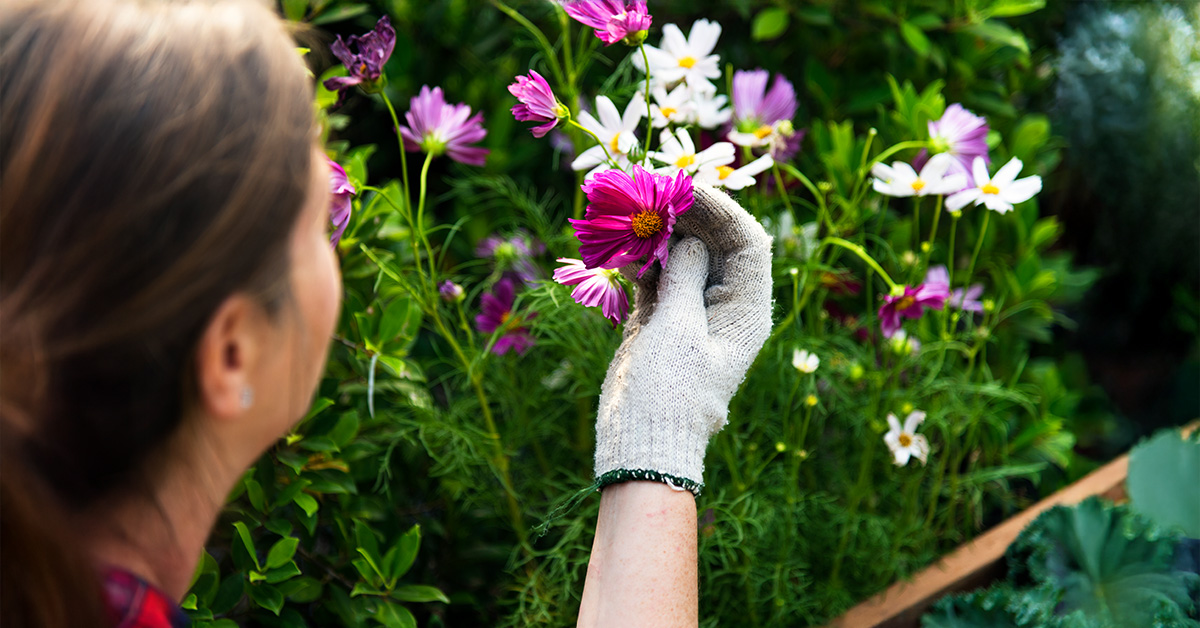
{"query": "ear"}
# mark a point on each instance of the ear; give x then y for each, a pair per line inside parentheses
(226, 356)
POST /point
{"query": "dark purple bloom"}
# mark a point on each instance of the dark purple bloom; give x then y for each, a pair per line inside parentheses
(630, 217)
(614, 20)
(450, 291)
(959, 133)
(364, 58)
(516, 252)
(595, 287)
(537, 103)
(437, 128)
(497, 314)
(911, 304)
(340, 192)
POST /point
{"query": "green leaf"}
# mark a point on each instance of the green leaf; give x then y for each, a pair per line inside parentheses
(267, 597)
(305, 589)
(228, 594)
(395, 616)
(364, 537)
(1013, 8)
(224, 623)
(420, 593)
(402, 318)
(915, 38)
(406, 552)
(1163, 472)
(294, 10)
(281, 553)
(345, 429)
(290, 492)
(1030, 136)
(254, 493)
(342, 12)
(363, 588)
(244, 534)
(284, 573)
(998, 33)
(189, 602)
(819, 16)
(769, 24)
(306, 502)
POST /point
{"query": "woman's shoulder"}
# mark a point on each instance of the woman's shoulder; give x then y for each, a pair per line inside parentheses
(134, 603)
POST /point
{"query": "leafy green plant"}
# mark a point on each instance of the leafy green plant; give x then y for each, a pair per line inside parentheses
(1152, 467)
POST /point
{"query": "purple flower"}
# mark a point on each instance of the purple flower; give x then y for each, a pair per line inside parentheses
(340, 192)
(497, 314)
(762, 117)
(440, 128)
(911, 304)
(959, 133)
(594, 287)
(630, 217)
(537, 103)
(450, 291)
(968, 300)
(365, 66)
(516, 252)
(614, 20)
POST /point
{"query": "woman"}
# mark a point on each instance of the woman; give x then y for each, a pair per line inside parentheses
(168, 292)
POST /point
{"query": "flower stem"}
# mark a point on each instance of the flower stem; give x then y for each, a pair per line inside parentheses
(978, 245)
(421, 216)
(403, 153)
(787, 202)
(649, 118)
(607, 155)
(862, 254)
(937, 214)
(537, 33)
(823, 215)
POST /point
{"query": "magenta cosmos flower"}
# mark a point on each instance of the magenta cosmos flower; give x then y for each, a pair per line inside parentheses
(762, 118)
(614, 20)
(630, 217)
(438, 128)
(960, 133)
(911, 304)
(537, 103)
(594, 287)
(497, 314)
(363, 57)
(967, 300)
(340, 192)
(515, 254)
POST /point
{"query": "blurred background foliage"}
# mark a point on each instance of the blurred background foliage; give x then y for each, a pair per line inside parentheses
(391, 511)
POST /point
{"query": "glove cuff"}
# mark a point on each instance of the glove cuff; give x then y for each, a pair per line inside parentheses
(616, 476)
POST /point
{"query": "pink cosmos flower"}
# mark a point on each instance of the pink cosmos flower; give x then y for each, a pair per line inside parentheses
(630, 217)
(967, 300)
(594, 287)
(497, 314)
(515, 253)
(614, 20)
(959, 133)
(762, 117)
(911, 304)
(437, 128)
(341, 192)
(363, 57)
(537, 103)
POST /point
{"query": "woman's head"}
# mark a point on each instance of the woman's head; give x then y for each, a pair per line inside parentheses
(163, 247)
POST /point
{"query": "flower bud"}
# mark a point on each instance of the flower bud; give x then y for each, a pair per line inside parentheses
(810, 400)
(451, 292)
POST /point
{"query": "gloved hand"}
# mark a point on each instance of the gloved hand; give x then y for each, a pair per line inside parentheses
(696, 327)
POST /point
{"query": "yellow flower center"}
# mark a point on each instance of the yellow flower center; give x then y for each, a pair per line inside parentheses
(667, 112)
(723, 171)
(763, 131)
(905, 302)
(615, 143)
(988, 188)
(646, 223)
(905, 440)
(687, 62)
(685, 161)
(918, 185)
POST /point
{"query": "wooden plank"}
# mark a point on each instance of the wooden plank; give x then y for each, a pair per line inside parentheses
(977, 563)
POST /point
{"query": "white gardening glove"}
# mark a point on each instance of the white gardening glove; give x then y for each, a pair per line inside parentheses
(694, 331)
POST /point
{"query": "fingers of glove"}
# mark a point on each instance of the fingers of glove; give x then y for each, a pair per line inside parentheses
(681, 286)
(721, 223)
(739, 308)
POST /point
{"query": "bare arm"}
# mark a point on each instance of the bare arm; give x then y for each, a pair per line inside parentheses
(642, 570)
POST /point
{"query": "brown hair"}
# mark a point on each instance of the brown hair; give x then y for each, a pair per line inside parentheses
(154, 157)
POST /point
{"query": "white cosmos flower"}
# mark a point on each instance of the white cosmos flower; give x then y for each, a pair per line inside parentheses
(998, 193)
(729, 178)
(900, 179)
(804, 361)
(711, 110)
(904, 441)
(615, 130)
(678, 152)
(674, 107)
(687, 59)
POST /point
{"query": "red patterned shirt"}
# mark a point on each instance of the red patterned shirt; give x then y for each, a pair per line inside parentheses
(134, 603)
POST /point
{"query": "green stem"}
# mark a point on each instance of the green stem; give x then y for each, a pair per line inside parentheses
(987, 215)
(607, 155)
(421, 215)
(937, 214)
(862, 254)
(547, 49)
(823, 215)
(403, 153)
(787, 202)
(414, 242)
(649, 118)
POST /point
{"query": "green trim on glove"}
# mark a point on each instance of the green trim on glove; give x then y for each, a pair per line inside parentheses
(616, 476)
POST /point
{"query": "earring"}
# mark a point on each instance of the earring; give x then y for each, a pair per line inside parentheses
(247, 397)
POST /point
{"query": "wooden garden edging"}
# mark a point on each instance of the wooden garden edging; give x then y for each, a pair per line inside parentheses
(980, 561)
(977, 563)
